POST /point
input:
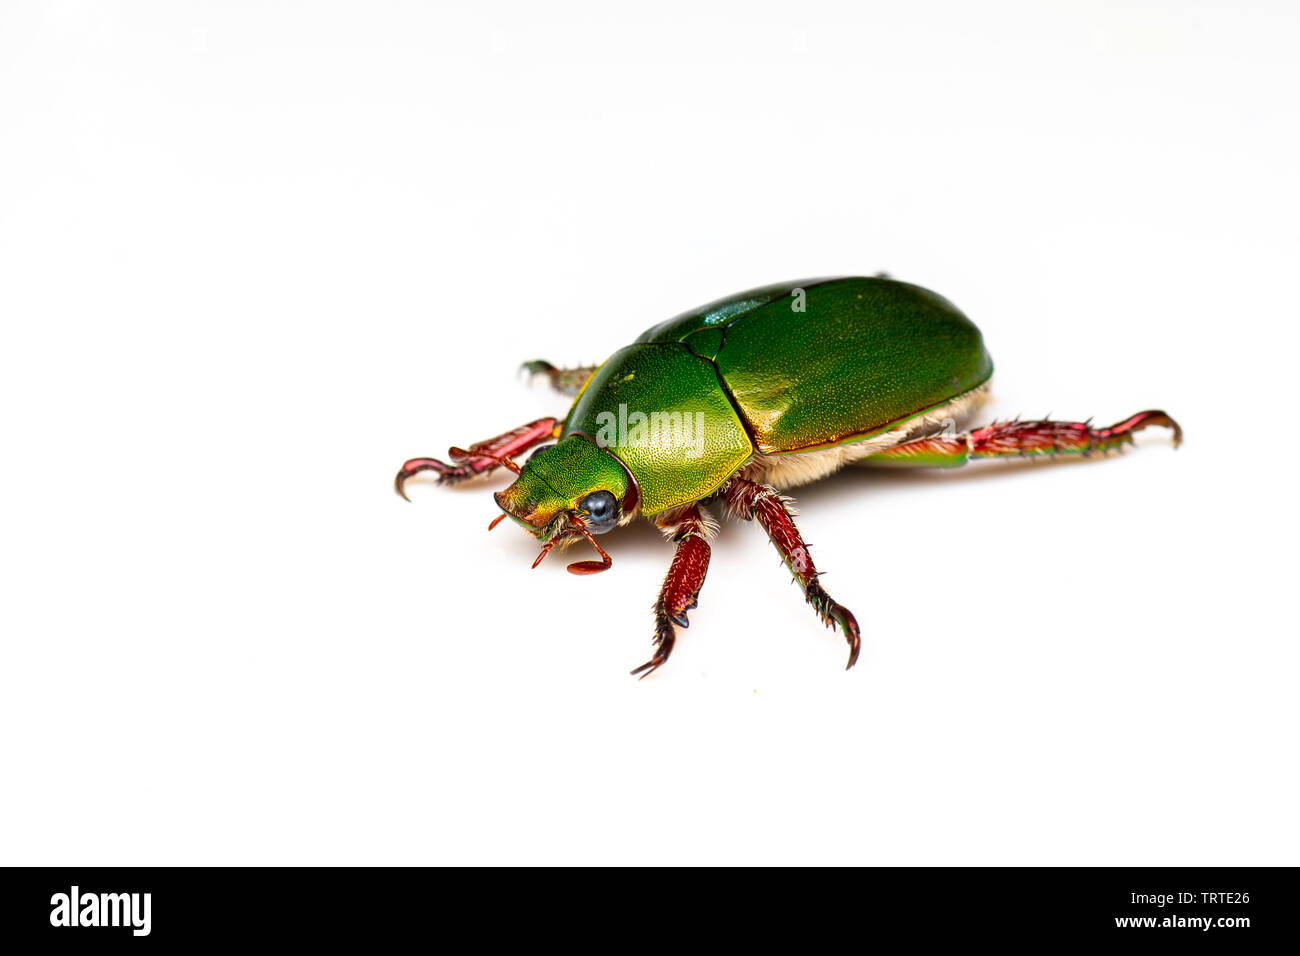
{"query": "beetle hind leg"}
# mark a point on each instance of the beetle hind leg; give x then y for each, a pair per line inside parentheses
(747, 500)
(690, 530)
(1022, 439)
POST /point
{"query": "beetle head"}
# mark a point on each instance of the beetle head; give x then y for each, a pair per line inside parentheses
(571, 489)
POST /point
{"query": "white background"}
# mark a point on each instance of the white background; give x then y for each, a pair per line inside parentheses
(254, 256)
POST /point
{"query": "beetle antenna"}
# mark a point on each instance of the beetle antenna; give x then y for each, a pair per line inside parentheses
(578, 567)
(589, 567)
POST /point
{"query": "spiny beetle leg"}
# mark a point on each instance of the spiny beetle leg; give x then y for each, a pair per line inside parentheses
(751, 500)
(690, 530)
(494, 449)
(566, 381)
(1018, 439)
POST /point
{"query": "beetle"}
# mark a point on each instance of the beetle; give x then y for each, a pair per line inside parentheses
(733, 403)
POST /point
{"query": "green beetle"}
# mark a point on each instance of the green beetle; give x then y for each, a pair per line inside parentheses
(743, 398)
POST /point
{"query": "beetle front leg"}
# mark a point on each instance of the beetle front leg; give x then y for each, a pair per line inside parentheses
(690, 530)
(748, 499)
(481, 457)
(566, 381)
(1019, 439)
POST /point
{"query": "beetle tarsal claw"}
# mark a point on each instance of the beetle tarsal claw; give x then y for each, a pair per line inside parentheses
(417, 465)
(1143, 420)
(665, 638)
(530, 370)
(849, 627)
(834, 615)
(663, 647)
(648, 668)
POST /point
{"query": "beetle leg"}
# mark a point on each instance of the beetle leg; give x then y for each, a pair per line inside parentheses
(690, 529)
(1017, 439)
(566, 381)
(748, 499)
(481, 457)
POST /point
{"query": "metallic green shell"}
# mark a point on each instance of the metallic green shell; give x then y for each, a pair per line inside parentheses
(784, 368)
(661, 409)
(721, 311)
(862, 357)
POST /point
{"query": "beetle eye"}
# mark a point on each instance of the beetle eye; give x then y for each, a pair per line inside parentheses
(539, 449)
(602, 511)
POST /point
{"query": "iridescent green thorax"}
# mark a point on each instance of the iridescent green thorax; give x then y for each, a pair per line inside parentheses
(662, 411)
